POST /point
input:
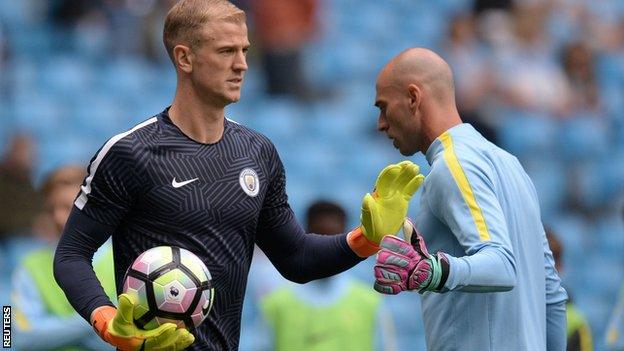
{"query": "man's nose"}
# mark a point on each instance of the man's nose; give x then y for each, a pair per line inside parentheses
(240, 63)
(382, 124)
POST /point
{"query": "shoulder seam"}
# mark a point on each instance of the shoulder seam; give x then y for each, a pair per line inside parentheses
(86, 188)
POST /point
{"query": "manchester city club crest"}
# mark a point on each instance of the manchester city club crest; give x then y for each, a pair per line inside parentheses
(249, 181)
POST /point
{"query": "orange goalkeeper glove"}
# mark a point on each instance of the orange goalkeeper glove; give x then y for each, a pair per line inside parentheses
(116, 327)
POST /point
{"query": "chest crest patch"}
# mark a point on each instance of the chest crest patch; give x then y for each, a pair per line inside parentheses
(249, 181)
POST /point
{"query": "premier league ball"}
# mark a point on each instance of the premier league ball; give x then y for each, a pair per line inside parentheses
(171, 285)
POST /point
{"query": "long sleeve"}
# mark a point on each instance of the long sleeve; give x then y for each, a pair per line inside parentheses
(73, 269)
(302, 257)
(556, 327)
(556, 297)
(463, 197)
(106, 197)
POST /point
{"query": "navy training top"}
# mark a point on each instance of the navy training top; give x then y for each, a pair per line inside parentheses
(152, 185)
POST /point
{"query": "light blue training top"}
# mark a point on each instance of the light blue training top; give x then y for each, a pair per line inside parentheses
(480, 208)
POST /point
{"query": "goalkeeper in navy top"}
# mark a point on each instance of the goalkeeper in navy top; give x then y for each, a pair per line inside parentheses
(189, 177)
(489, 282)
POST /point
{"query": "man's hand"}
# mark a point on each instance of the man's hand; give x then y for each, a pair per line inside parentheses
(383, 211)
(116, 327)
(403, 265)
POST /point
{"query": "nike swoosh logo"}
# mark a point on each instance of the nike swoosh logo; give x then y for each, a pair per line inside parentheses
(179, 184)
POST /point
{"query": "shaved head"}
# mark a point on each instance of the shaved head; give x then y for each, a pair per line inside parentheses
(424, 68)
(416, 99)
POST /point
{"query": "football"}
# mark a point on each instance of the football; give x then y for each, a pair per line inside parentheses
(171, 285)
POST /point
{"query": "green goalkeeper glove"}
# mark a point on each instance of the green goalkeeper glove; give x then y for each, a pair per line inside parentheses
(116, 327)
(384, 211)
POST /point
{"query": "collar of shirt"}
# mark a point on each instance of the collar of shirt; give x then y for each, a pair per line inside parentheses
(437, 148)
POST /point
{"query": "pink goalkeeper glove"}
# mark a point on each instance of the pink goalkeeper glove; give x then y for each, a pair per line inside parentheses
(407, 265)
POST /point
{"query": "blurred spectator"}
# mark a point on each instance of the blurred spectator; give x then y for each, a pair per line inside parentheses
(66, 13)
(282, 28)
(579, 332)
(481, 6)
(20, 201)
(44, 318)
(151, 31)
(530, 79)
(336, 313)
(578, 63)
(473, 76)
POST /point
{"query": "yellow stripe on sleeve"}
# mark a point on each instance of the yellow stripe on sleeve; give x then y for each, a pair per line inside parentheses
(464, 186)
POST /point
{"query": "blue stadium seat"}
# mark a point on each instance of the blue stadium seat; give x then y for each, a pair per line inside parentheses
(583, 137)
(127, 77)
(276, 118)
(98, 117)
(66, 75)
(596, 309)
(254, 86)
(609, 235)
(603, 275)
(605, 185)
(525, 134)
(550, 179)
(64, 148)
(576, 236)
(36, 113)
(18, 14)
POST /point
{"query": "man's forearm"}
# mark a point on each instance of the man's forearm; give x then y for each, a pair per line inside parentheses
(556, 336)
(72, 263)
(489, 270)
(302, 257)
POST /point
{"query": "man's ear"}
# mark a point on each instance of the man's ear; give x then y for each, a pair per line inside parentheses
(183, 58)
(415, 96)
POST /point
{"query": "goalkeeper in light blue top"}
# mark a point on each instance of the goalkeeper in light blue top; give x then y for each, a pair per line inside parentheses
(489, 282)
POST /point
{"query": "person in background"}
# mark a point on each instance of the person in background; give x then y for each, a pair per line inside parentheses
(578, 62)
(282, 28)
(474, 81)
(19, 206)
(336, 313)
(20, 200)
(579, 332)
(44, 318)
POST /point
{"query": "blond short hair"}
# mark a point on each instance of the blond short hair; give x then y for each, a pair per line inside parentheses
(187, 16)
(71, 176)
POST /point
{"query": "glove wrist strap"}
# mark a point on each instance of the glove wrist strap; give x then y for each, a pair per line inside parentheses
(360, 244)
(444, 265)
(439, 273)
(100, 317)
